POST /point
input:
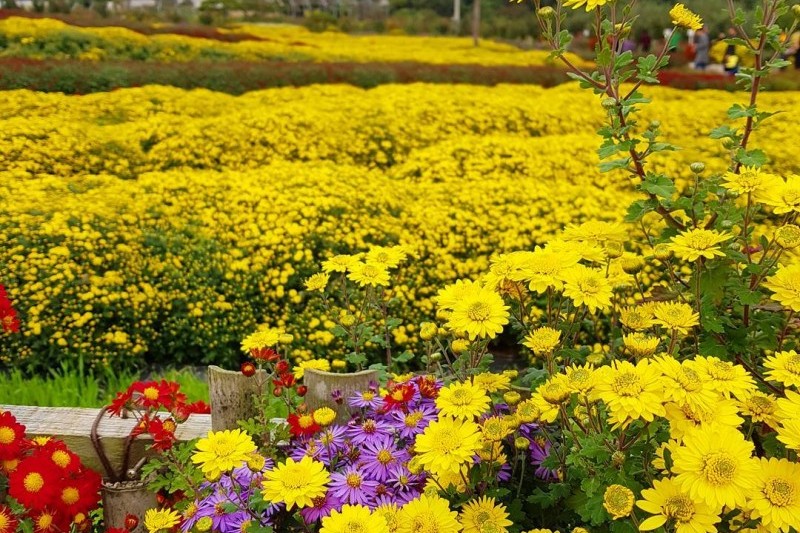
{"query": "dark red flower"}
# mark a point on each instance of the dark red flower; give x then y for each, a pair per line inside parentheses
(282, 367)
(48, 520)
(248, 369)
(131, 521)
(265, 354)
(8, 522)
(9, 322)
(163, 433)
(302, 425)
(428, 387)
(199, 408)
(63, 459)
(302, 390)
(398, 396)
(12, 436)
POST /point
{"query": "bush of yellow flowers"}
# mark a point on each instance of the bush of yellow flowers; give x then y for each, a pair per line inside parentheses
(157, 224)
(45, 38)
(662, 391)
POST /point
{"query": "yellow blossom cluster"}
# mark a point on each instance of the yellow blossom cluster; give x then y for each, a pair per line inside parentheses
(53, 39)
(157, 222)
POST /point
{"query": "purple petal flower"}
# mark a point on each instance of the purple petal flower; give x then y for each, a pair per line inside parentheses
(351, 486)
(414, 422)
(380, 455)
(321, 508)
(540, 450)
(367, 429)
(365, 400)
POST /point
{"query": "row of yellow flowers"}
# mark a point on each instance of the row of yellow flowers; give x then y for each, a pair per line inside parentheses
(159, 222)
(53, 39)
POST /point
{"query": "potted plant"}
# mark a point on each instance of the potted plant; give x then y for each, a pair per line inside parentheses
(157, 408)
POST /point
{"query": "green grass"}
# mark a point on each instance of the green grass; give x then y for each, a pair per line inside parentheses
(77, 387)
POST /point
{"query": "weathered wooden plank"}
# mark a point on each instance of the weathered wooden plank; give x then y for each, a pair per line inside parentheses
(73, 425)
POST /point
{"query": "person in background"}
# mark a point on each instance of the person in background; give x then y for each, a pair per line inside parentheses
(645, 42)
(702, 47)
(731, 59)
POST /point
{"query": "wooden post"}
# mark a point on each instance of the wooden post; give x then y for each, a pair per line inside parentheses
(321, 384)
(233, 396)
(476, 22)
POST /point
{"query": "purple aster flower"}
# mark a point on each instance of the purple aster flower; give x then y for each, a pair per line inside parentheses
(380, 455)
(414, 422)
(311, 449)
(504, 474)
(336, 396)
(367, 429)
(332, 438)
(406, 486)
(351, 486)
(365, 400)
(320, 508)
(540, 450)
(217, 506)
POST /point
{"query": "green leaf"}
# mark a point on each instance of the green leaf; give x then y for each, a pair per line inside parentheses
(616, 164)
(751, 158)
(724, 132)
(659, 185)
(640, 208)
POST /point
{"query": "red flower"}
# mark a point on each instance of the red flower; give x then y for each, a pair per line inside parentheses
(78, 496)
(8, 522)
(248, 369)
(120, 403)
(427, 386)
(155, 395)
(163, 433)
(398, 396)
(302, 424)
(34, 482)
(60, 456)
(131, 521)
(8, 317)
(284, 380)
(282, 367)
(49, 521)
(199, 408)
(265, 354)
(12, 436)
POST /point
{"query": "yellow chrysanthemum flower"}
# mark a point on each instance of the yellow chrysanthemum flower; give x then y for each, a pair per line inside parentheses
(640, 345)
(495, 428)
(683, 419)
(760, 407)
(786, 286)
(749, 180)
(317, 364)
(339, 263)
(463, 400)
(354, 519)
(618, 500)
(789, 407)
(696, 243)
(324, 416)
(580, 379)
(788, 236)
(630, 392)
(450, 295)
(587, 286)
(296, 483)
(784, 197)
(676, 316)
(222, 451)
(390, 512)
(428, 513)
(317, 282)
(777, 497)
(543, 267)
(789, 433)
(784, 367)
(484, 514)
(715, 465)
(669, 504)
(368, 274)
(542, 341)
(683, 384)
(447, 444)
(685, 18)
(160, 519)
(725, 377)
(637, 318)
(265, 338)
(481, 313)
(491, 382)
(387, 257)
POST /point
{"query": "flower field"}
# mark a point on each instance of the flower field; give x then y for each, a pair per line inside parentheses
(53, 39)
(158, 223)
